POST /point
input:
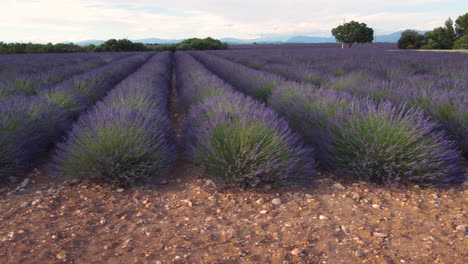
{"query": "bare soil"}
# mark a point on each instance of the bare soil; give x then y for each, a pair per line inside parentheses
(183, 219)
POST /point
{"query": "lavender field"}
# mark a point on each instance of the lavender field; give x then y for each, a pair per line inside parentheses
(256, 154)
(254, 116)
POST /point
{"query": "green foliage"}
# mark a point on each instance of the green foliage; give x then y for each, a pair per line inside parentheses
(461, 43)
(461, 25)
(410, 39)
(352, 32)
(193, 44)
(26, 48)
(113, 45)
(441, 37)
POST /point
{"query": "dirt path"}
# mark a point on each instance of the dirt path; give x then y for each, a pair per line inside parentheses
(182, 219)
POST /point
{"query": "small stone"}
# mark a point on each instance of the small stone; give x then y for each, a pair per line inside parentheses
(36, 202)
(287, 225)
(460, 228)
(74, 182)
(103, 222)
(120, 190)
(11, 235)
(379, 234)
(435, 196)
(355, 196)
(359, 253)
(61, 256)
(322, 217)
(260, 201)
(126, 243)
(163, 182)
(140, 214)
(24, 204)
(264, 211)
(297, 251)
(276, 201)
(309, 196)
(54, 237)
(178, 258)
(21, 231)
(345, 229)
(376, 206)
(25, 183)
(158, 262)
(338, 186)
(188, 202)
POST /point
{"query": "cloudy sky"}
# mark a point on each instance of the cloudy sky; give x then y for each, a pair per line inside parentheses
(76, 20)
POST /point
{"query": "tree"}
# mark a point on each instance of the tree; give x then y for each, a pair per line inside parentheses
(113, 45)
(410, 39)
(461, 43)
(352, 32)
(441, 37)
(461, 25)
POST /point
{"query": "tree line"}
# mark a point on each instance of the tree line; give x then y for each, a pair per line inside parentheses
(452, 35)
(111, 45)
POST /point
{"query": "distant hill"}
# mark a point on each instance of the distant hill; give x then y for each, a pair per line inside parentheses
(89, 42)
(306, 39)
(393, 37)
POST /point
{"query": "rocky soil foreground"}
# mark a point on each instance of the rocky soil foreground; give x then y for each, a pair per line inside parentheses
(187, 220)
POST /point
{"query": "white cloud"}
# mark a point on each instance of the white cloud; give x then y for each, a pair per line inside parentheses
(74, 20)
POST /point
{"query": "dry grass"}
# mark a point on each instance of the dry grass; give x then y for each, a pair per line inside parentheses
(453, 50)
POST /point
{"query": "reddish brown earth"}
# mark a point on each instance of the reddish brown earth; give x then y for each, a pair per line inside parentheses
(189, 220)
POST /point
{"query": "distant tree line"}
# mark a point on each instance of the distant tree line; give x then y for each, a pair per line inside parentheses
(450, 36)
(24, 48)
(111, 45)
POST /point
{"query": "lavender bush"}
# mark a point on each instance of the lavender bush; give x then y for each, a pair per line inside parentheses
(378, 142)
(240, 142)
(27, 127)
(29, 124)
(127, 138)
(234, 139)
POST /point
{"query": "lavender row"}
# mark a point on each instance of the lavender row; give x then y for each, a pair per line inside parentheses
(443, 97)
(380, 142)
(31, 84)
(335, 62)
(78, 92)
(29, 124)
(127, 137)
(234, 139)
(18, 64)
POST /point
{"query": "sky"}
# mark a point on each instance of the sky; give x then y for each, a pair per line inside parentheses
(77, 20)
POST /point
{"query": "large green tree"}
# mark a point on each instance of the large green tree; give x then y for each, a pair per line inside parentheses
(461, 43)
(353, 32)
(461, 25)
(441, 37)
(410, 39)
